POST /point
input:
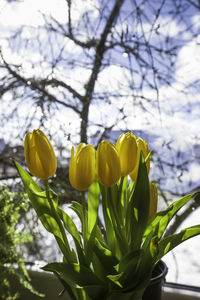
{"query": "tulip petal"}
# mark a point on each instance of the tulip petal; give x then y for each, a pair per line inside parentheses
(85, 167)
(127, 148)
(45, 157)
(108, 164)
(39, 155)
(142, 146)
(153, 201)
(82, 167)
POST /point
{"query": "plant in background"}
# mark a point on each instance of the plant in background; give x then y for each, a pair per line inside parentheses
(11, 262)
(119, 262)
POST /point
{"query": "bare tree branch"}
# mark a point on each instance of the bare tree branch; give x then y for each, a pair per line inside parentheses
(40, 86)
(100, 50)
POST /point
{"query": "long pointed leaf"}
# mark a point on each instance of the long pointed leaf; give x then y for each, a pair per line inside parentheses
(93, 207)
(69, 225)
(78, 276)
(164, 217)
(110, 234)
(106, 257)
(170, 242)
(39, 202)
(41, 206)
(138, 208)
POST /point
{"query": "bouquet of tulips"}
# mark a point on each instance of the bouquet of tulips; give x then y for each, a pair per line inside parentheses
(117, 262)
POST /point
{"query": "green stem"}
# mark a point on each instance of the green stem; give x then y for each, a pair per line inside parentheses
(119, 200)
(120, 187)
(84, 221)
(57, 219)
(118, 223)
(80, 294)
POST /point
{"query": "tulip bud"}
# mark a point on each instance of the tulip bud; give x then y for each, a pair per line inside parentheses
(108, 164)
(142, 146)
(153, 201)
(39, 155)
(82, 167)
(127, 149)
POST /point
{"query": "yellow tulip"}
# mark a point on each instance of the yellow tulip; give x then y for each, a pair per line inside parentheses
(127, 149)
(153, 201)
(39, 155)
(82, 167)
(108, 164)
(142, 146)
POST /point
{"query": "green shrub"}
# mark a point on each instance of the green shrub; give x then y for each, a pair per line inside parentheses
(11, 262)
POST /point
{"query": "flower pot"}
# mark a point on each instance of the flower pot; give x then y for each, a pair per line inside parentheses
(154, 290)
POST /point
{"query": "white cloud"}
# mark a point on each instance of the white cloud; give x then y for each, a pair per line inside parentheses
(111, 78)
(80, 7)
(168, 26)
(196, 22)
(29, 12)
(188, 62)
(22, 13)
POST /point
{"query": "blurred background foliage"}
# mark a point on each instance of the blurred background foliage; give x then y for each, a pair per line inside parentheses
(12, 207)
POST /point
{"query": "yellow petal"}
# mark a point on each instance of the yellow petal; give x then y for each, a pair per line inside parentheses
(153, 201)
(108, 164)
(127, 149)
(82, 167)
(39, 155)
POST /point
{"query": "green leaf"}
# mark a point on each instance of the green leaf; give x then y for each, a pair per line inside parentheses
(128, 267)
(98, 267)
(115, 279)
(103, 266)
(130, 258)
(79, 276)
(138, 208)
(120, 194)
(71, 291)
(69, 225)
(39, 202)
(110, 232)
(84, 258)
(76, 275)
(71, 228)
(78, 209)
(170, 242)
(100, 236)
(41, 205)
(90, 245)
(130, 189)
(106, 258)
(96, 292)
(117, 219)
(93, 207)
(163, 218)
(151, 235)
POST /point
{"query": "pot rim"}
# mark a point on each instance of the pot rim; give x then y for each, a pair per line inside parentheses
(163, 272)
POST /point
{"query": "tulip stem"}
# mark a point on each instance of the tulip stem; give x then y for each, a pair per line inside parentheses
(120, 188)
(119, 200)
(57, 219)
(119, 227)
(84, 221)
